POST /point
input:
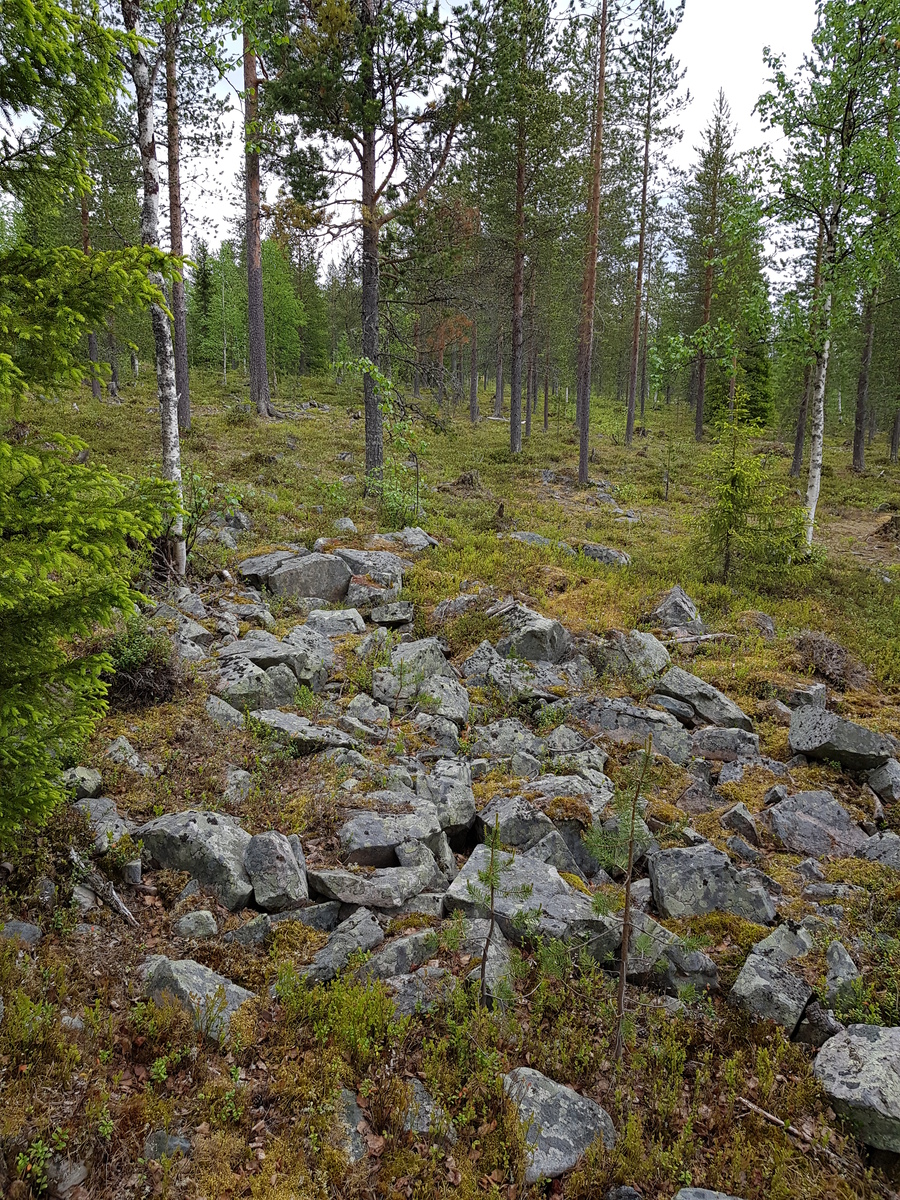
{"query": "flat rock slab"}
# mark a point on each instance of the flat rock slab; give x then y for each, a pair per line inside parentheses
(814, 823)
(533, 637)
(860, 1072)
(640, 655)
(711, 706)
(324, 576)
(388, 887)
(621, 721)
(561, 1124)
(701, 879)
(212, 999)
(257, 570)
(449, 788)
(371, 838)
(826, 736)
(279, 880)
(303, 736)
(767, 991)
(502, 739)
(335, 623)
(208, 845)
(883, 848)
(360, 932)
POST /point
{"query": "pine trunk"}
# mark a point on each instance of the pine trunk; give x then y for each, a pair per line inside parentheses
(862, 384)
(176, 236)
(473, 374)
(895, 437)
(589, 278)
(112, 387)
(518, 306)
(93, 355)
(256, 323)
(498, 396)
(162, 334)
(370, 280)
(639, 281)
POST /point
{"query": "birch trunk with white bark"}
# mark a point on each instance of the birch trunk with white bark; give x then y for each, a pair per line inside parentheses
(817, 441)
(142, 78)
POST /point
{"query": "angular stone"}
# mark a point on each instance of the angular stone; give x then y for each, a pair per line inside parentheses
(676, 610)
(410, 538)
(160, 1145)
(360, 932)
(707, 702)
(840, 974)
(449, 788)
(533, 637)
(388, 887)
(301, 734)
(284, 685)
(501, 739)
(826, 736)
(279, 881)
(439, 730)
(519, 824)
(683, 969)
(21, 931)
(258, 570)
(785, 943)
(208, 845)
(859, 1070)
(551, 907)
(243, 685)
(818, 1025)
(122, 752)
(238, 784)
(701, 879)
(553, 849)
(605, 555)
(692, 1193)
(371, 838)
(883, 848)
(640, 655)
(212, 999)
(814, 823)
(324, 576)
(769, 992)
(364, 708)
(82, 782)
(411, 664)
(335, 623)
(884, 782)
(401, 612)
(223, 714)
(724, 745)
(561, 1123)
(425, 1116)
(621, 721)
(307, 653)
(382, 567)
(739, 819)
(107, 826)
(324, 917)
(401, 957)
(197, 924)
(443, 696)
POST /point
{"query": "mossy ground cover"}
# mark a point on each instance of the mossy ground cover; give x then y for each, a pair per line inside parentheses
(260, 1108)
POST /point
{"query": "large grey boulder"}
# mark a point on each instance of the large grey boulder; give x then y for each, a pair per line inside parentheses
(533, 637)
(621, 721)
(859, 1070)
(259, 569)
(840, 974)
(360, 932)
(443, 696)
(883, 848)
(301, 734)
(307, 653)
(533, 900)
(724, 745)
(209, 846)
(400, 957)
(82, 782)
(561, 1124)
(826, 736)
(370, 838)
(813, 823)
(503, 739)
(449, 788)
(607, 555)
(767, 991)
(676, 610)
(711, 705)
(785, 943)
(243, 685)
(518, 823)
(701, 879)
(388, 887)
(411, 664)
(321, 575)
(210, 998)
(223, 714)
(335, 623)
(382, 567)
(640, 655)
(885, 781)
(279, 881)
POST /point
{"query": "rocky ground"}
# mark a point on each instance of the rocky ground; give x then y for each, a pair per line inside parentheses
(270, 950)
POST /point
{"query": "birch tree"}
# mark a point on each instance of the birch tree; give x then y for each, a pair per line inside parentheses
(833, 113)
(142, 77)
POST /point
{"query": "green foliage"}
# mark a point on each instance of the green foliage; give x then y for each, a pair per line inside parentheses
(751, 523)
(71, 535)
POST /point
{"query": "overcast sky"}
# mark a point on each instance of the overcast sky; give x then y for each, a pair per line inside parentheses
(720, 43)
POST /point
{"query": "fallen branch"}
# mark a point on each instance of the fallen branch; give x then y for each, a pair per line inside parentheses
(793, 1131)
(103, 888)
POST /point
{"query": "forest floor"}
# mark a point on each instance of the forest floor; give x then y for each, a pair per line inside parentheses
(258, 1109)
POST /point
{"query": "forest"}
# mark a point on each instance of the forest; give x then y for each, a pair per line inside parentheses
(449, 604)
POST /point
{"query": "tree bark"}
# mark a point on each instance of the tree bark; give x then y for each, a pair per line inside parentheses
(370, 277)
(93, 354)
(814, 479)
(547, 390)
(518, 306)
(176, 236)
(112, 387)
(142, 79)
(256, 323)
(473, 374)
(416, 364)
(862, 383)
(589, 277)
(498, 396)
(639, 282)
(895, 437)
